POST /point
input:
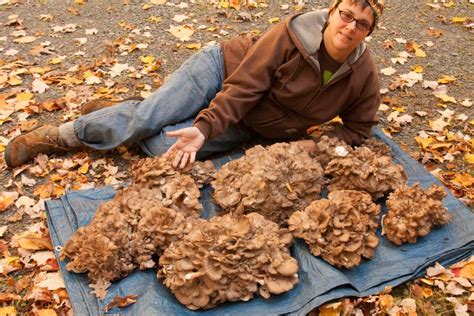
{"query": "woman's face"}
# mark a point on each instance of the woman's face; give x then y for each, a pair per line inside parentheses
(341, 37)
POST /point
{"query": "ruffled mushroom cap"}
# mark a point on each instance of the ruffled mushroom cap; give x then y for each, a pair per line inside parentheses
(328, 148)
(229, 259)
(413, 211)
(365, 170)
(340, 229)
(274, 181)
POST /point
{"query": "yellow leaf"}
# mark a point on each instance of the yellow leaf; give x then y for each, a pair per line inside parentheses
(24, 96)
(449, 4)
(464, 179)
(467, 271)
(446, 98)
(469, 158)
(147, 59)
(147, 6)
(224, 4)
(15, 81)
(424, 142)
(441, 145)
(337, 119)
(417, 68)
(2, 147)
(471, 122)
(418, 51)
(84, 168)
(458, 19)
(273, 20)
(211, 29)
(46, 312)
(195, 46)
(55, 61)
(385, 302)
(400, 109)
(333, 309)
(154, 19)
(80, 1)
(446, 79)
(8, 311)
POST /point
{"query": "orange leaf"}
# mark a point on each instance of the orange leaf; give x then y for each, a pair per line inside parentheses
(33, 241)
(467, 271)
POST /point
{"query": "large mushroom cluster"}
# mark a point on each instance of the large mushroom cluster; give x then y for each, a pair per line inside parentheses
(137, 224)
(229, 259)
(340, 229)
(274, 181)
(328, 148)
(413, 211)
(365, 170)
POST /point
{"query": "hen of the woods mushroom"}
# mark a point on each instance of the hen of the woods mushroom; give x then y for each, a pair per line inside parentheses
(139, 222)
(229, 259)
(274, 181)
(413, 211)
(365, 170)
(340, 229)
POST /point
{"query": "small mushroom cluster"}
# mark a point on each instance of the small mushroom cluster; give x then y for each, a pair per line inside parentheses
(328, 148)
(229, 259)
(274, 181)
(137, 224)
(413, 211)
(340, 229)
(365, 170)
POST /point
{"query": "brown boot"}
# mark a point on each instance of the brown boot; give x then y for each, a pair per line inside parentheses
(23, 148)
(98, 104)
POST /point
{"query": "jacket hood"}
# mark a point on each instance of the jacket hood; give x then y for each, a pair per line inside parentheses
(306, 29)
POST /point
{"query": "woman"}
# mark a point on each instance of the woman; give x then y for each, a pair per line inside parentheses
(302, 72)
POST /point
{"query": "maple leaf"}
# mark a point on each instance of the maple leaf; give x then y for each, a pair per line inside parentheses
(388, 71)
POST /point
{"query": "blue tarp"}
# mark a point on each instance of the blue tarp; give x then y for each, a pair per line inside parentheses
(318, 283)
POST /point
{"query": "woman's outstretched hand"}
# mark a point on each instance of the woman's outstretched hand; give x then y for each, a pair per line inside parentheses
(190, 140)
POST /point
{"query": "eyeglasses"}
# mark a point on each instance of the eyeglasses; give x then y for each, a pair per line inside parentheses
(362, 25)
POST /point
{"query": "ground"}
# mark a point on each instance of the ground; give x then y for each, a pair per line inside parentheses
(55, 55)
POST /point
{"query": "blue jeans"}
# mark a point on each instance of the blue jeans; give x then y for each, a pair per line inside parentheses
(173, 106)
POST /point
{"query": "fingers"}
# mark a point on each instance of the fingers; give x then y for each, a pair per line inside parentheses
(184, 160)
(193, 157)
(177, 158)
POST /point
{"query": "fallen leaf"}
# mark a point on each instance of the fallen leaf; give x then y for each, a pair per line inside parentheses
(273, 20)
(33, 241)
(53, 281)
(388, 71)
(437, 270)
(25, 39)
(39, 86)
(3, 230)
(121, 302)
(46, 312)
(8, 297)
(446, 98)
(180, 18)
(100, 288)
(467, 103)
(446, 79)
(458, 19)
(8, 311)
(184, 33)
(454, 289)
(468, 270)
(7, 199)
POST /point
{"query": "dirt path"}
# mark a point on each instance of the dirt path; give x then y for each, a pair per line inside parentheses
(118, 48)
